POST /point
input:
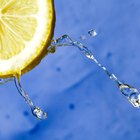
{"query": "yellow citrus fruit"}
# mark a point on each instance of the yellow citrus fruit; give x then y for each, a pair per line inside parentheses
(26, 31)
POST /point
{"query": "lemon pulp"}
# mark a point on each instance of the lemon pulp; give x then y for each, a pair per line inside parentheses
(26, 30)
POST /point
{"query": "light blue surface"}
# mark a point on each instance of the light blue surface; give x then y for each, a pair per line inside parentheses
(83, 104)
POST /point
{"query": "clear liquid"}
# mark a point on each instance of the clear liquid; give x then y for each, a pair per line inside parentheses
(91, 33)
(65, 40)
(36, 111)
(131, 93)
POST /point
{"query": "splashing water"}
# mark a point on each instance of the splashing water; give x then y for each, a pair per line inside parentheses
(65, 40)
(131, 93)
(37, 112)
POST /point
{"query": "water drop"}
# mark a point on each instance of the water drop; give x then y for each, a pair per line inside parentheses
(82, 37)
(131, 93)
(39, 113)
(92, 32)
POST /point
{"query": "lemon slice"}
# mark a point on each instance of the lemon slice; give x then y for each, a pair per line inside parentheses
(26, 31)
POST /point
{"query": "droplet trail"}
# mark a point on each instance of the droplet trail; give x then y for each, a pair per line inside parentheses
(36, 111)
(132, 94)
(66, 40)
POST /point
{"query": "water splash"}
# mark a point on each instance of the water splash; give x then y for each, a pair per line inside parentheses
(65, 40)
(132, 94)
(36, 111)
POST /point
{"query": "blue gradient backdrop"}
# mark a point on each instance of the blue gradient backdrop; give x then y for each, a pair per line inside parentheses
(83, 104)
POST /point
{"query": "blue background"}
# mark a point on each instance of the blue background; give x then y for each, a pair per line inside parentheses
(83, 104)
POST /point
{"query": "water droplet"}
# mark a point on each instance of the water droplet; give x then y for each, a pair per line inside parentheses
(82, 37)
(92, 32)
(131, 93)
(39, 113)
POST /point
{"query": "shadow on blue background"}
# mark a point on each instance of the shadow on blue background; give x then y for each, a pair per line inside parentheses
(83, 104)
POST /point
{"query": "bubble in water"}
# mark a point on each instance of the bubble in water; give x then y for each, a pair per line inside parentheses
(92, 32)
(131, 93)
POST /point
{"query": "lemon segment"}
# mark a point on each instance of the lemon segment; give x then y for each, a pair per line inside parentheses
(26, 30)
(20, 7)
(8, 38)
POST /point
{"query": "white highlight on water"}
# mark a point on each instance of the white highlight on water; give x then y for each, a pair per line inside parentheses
(92, 32)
